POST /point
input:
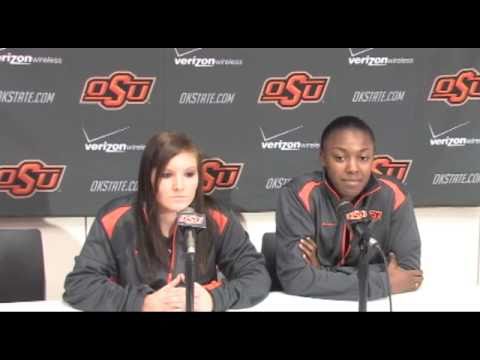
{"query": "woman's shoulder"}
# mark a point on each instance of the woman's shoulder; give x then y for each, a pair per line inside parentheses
(121, 204)
(222, 213)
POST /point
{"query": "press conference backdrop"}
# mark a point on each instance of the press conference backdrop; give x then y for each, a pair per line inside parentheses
(75, 121)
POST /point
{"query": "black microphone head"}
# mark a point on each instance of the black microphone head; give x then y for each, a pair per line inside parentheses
(357, 220)
(343, 207)
(191, 219)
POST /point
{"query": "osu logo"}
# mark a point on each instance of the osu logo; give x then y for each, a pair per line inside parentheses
(219, 175)
(297, 87)
(456, 89)
(386, 165)
(28, 177)
(375, 215)
(118, 90)
(357, 215)
(193, 220)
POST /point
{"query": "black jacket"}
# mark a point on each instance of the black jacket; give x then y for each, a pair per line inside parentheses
(109, 274)
(307, 206)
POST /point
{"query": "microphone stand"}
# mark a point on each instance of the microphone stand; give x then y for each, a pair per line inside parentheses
(363, 273)
(363, 265)
(190, 271)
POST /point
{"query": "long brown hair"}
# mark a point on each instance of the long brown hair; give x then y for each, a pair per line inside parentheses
(160, 149)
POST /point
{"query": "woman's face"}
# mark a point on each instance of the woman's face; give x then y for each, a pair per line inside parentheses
(178, 183)
(347, 157)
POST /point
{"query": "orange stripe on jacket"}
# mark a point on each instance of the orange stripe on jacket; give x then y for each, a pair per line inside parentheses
(305, 192)
(110, 220)
(399, 196)
(212, 285)
(220, 219)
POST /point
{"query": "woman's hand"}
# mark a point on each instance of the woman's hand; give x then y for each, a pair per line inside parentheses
(168, 298)
(309, 251)
(402, 280)
(203, 300)
(173, 298)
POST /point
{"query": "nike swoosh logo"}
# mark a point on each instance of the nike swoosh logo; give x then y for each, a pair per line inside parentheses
(103, 136)
(280, 134)
(446, 131)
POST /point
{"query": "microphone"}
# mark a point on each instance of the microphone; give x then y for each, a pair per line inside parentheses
(357, 219)
(189, 219)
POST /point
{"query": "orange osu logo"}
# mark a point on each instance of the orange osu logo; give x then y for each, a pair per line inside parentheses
(386, 165)
(356, 215)
(28, 177)
(117, 90)
(375, 215)
(456, 89)
(297, 87)
(220, 175)
(359, 215)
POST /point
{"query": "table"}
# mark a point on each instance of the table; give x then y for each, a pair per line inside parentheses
(448, 299)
